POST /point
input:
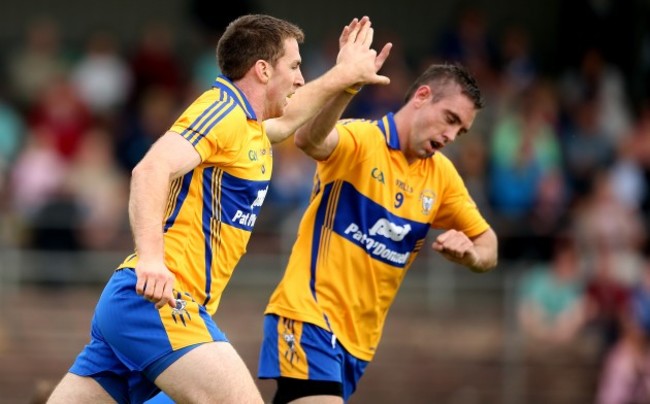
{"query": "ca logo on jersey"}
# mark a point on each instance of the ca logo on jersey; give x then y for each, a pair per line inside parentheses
(378, 175)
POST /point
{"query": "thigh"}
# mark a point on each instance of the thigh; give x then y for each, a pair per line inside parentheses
(78, 389)
(132, 341)
(210, 373)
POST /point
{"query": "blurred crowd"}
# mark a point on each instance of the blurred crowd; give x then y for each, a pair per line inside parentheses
(559, 163)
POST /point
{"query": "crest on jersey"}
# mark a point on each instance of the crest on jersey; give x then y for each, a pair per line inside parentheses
(427, 198)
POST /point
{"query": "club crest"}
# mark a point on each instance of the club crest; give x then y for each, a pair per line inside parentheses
(427, 198)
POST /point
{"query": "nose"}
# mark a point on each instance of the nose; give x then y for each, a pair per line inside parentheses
(449, 136)
(300, 80)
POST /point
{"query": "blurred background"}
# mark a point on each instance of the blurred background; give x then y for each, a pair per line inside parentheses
(558, 161)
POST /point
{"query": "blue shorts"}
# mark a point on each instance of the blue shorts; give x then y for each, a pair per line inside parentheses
(304, 351)
(160, 398)
(132, 342)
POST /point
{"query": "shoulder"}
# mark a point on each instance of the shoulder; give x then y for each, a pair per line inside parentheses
(215, 104)
(363, 129)
(443, 164)
(358, 124)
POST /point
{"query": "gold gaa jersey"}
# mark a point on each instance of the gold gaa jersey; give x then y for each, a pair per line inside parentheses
(212, 209)
(367, 220)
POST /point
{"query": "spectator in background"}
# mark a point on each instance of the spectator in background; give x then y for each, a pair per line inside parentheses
(628, 177)
(603, 222)
(12, 138)
(551, 306)
(471, 159)
(60, 113)
(548, 216)
(101, 191)
(607, 299)
(38, 61)
(468, 41)
(204, 69)
(154, 62)
(38, 172)
(625, 376)
(587, 149)
(640, 147)
(602, 83)
(518, 69)
(143, 124)
(211, 18)
(524, 151)
(56, 225)
(102, 77)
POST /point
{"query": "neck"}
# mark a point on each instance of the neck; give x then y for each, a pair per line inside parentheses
(255, 94)
(402, 120)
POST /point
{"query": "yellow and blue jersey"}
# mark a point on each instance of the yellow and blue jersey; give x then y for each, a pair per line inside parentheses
(367, 220)
(211, 210)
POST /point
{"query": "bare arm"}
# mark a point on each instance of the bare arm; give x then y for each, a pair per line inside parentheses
(478, 254)
(318, 137)
(356, 64)
(169, 158)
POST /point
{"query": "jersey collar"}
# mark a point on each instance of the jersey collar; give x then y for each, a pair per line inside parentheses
(224, 84)
(388, 128)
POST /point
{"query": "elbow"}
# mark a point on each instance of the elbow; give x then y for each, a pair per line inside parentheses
(491, 266)
(141, 167)
(485, 266)
(136, 170)
(300, 141)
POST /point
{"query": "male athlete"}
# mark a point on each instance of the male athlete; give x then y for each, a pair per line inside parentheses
(379, 186)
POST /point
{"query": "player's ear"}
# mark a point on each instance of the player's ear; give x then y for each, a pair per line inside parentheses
(262, 70)
(422, 94)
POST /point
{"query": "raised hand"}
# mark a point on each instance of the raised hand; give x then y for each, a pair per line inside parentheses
(357, 57)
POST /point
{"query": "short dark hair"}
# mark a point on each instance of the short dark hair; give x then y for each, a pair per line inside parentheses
(439, 75)
(250, 38)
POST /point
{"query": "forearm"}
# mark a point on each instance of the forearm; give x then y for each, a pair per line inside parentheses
(486, 260)
(486, 252)
(149, 188)
(308, 101)
(314, 137)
